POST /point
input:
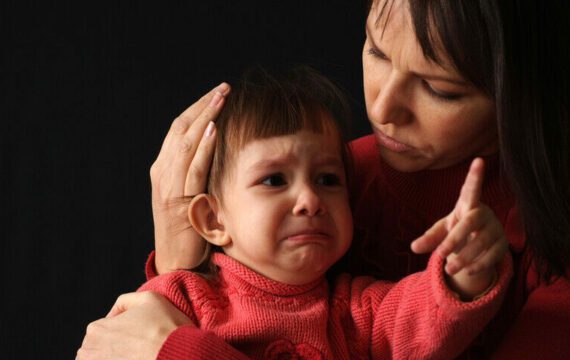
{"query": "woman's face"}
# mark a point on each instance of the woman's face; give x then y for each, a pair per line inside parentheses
(425, 116)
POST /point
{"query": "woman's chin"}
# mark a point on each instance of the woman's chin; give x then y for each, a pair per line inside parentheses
(403, 162)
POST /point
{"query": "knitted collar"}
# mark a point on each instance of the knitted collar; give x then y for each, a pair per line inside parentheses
(244, 278)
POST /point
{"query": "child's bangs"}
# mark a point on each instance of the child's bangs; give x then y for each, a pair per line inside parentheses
(268, 104)
(273, 115)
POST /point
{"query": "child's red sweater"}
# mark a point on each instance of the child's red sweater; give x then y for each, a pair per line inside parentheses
(350, 318)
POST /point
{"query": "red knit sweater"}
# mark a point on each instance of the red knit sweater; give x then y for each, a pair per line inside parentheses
(352, 318)
(391, 209)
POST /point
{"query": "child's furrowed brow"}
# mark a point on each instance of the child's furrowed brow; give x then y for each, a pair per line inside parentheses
(268, 164)
(323, 160)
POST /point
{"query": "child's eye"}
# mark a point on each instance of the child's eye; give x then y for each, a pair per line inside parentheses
(329, 180)
(274, 180)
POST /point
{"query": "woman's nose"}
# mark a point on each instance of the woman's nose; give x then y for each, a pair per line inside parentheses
(308, 202)
(393, 101)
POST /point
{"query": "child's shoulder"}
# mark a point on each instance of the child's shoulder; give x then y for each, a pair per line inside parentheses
(184, 284)
(195, 295)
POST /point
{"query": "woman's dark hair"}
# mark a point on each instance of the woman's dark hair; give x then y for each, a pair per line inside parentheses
(534, 124)
(516, 53)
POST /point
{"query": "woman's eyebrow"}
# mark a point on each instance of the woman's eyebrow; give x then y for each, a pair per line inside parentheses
(458, 82)
(426, 76)
(373, 42)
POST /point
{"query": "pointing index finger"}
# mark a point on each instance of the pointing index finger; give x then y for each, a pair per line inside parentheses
(472, 187)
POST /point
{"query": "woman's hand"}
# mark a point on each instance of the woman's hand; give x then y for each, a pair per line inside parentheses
(135, 328)
(470, 237)
(180, 170)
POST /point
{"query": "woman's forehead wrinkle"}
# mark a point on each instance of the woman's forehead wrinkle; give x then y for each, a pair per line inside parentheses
(398, 42)
(384, 14)
(393, 18)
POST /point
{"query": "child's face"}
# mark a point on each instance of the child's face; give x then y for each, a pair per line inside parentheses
(285, 206)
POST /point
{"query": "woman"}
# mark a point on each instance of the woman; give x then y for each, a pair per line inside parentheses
(444, 81)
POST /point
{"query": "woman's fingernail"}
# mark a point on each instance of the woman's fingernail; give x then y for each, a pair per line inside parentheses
(216, 99)
(223, 88)
(209, 129)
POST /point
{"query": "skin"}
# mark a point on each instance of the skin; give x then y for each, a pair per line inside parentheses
(293, 190)
(425, 116)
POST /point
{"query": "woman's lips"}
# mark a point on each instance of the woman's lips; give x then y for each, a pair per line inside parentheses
(391, 144)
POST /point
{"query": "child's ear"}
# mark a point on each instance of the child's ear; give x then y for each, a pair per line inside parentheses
(203, 215)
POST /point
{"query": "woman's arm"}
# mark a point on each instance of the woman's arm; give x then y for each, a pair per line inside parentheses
(135, 328)
(147, 326)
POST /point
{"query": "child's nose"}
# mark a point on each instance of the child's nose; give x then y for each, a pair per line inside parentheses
(308, 202)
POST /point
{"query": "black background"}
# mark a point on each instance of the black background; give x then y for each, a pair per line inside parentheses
(88, 93)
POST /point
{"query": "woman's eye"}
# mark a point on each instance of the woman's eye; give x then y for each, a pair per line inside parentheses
(329, 180)
(274, 180)
(440, 95)
(377, 54)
